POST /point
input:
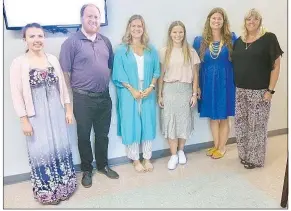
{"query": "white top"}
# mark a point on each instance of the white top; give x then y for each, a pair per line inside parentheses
(140, 66)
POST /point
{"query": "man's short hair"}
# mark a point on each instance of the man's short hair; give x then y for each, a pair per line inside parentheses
(84, 7)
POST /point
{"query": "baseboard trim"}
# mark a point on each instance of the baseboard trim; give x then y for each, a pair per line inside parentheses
(8, 180)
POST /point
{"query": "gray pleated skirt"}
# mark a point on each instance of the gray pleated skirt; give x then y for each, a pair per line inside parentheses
(177, 115)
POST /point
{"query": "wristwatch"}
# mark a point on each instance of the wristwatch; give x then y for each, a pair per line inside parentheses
(271, 91)
(153, 86)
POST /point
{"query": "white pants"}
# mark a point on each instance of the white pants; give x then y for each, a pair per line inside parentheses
(133, 149)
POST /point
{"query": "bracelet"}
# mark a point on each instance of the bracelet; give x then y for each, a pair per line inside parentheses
(152, 85)
(271, 91)
(194, 94)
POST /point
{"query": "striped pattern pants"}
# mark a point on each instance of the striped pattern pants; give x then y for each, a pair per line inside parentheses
(133, 150)
(251, 121)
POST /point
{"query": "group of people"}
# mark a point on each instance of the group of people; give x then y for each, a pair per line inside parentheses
(227, 76)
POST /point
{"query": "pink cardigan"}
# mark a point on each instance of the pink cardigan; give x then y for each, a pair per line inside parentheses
(20, 86)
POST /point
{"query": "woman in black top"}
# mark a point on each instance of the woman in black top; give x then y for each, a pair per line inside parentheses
(256, 60)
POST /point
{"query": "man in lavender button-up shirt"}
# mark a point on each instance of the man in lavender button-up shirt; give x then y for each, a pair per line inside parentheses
(86, 58)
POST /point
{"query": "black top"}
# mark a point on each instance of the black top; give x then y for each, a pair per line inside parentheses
(253, 66)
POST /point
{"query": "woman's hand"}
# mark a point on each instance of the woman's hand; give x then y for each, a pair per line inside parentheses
(198, 93)
(267, 96)
(27, 128)
(161, 102)
(136, 94)
(69, 113)
(146, 92)
(193, 101)
(69, 117)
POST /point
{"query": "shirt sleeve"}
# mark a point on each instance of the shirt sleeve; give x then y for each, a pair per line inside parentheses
(234, 37)
(195, 58)
(66, 96)
(119, 75)
(17, 88)
(67, 55)
(275, 50)
(111, 54)
(197, 43)
(157, 70)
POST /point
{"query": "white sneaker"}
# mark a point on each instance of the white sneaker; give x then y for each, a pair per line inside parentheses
(182, 157)
(173, 162)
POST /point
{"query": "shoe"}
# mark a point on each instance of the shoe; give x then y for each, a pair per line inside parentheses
(109, 173)
(52, 203)
(249, 166)
(173, 162)
(182, 157)
(149, 167)
(55, 202)
(87, 179)
(210, 151)
(243, 161)
(138, 167)
(218, 154)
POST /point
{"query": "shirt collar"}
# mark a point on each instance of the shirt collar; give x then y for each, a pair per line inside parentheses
(83, 35)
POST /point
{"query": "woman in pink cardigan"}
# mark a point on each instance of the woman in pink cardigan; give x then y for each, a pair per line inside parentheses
(41, 100)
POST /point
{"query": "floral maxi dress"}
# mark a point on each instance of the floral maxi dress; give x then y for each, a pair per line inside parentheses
(53, 175)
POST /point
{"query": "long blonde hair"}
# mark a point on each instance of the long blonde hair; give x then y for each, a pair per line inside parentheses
(253, 13)
(127, 38)
(185, 45)
(226, 35)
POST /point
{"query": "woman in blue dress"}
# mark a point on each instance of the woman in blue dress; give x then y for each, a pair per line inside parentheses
(41, 101)
(135, 72)
(216, 80)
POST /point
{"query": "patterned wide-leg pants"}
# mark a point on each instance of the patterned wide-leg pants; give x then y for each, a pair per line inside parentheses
(251, 121)
(133, 150)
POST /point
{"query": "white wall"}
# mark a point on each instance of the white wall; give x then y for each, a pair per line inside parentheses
(158, 14)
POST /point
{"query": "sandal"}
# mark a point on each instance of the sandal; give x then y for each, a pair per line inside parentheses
(139, 167)
(249, 166)
(148, 165)
(52, 202)
(243, 161)
(210, 151)
(217, 154)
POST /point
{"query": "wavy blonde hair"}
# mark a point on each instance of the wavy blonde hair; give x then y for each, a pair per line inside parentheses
(226, 35)
(185, 45)
(127, 38)
(253, 13)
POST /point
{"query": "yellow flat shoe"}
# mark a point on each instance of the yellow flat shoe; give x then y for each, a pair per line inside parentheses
(217, 154)
(210, 151)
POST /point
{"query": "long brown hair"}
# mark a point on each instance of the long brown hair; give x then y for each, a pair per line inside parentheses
(185, 45)
(127, 39)
(226, 35)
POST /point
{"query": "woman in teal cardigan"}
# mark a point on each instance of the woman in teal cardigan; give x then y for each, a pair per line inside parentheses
(135, 72)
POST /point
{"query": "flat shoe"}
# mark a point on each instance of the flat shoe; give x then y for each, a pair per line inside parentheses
(139, 168)
(210, 151)
(148, 166)
(249, 166)
(217, 154)
(243, 162)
